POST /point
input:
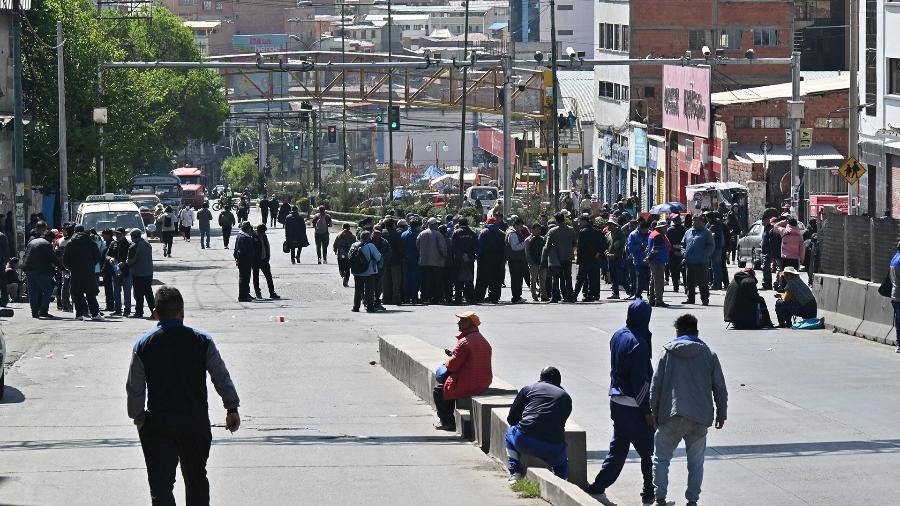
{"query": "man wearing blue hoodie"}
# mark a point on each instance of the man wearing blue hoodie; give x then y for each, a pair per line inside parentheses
(688, 380)
(629, 406)
(637, 248)
(411, 267)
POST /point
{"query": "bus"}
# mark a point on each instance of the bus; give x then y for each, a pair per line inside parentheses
(164, 186)
(192, 185)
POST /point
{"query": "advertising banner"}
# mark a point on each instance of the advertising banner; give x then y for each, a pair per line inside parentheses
(262, 43)
(686, 106)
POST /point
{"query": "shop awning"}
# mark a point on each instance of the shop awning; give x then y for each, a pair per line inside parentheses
(818, 155)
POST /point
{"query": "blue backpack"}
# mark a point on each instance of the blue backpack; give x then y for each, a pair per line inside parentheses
(810, 324)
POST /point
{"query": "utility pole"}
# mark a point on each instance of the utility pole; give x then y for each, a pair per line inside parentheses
(390, 106)
(101, 163)
(462, 138)
(508, 151)
(344, 87)
(19, 134)
(796, 118)
(263, 147)
(853, 145)
(63, 155)
(314, 135)
(554, 197)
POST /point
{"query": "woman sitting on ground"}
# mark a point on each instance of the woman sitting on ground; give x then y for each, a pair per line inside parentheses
(744, 306)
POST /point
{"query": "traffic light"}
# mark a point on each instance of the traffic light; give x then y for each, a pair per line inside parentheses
(394, 117)
(332, 134)
(297, 143)
(305, 108)
(379, 118)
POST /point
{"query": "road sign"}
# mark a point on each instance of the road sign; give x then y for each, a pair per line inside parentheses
(852, 170)
(806, 135)
(788, 139)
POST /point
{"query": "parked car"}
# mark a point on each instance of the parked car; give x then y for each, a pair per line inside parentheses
(750, 244)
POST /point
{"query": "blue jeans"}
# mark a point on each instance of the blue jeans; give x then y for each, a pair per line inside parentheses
(715, 263)
(39, 290)
(629, 429)
(554, 454)
(668, 436)
(204, 234)
(896, 305)
(122, 285)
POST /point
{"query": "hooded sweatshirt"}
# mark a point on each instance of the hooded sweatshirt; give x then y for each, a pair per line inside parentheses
(630, 369)
(687, 381)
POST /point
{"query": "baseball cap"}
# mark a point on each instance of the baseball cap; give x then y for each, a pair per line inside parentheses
(471, 316)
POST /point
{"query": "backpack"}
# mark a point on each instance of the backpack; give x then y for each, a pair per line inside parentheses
(358, 261)
(810, 324)
(167, 221)
(322, 224)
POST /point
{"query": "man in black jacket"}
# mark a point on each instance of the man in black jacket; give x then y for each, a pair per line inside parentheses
(117, 258)
(591, 246)
(537, 425)
(264, 209)
(675, 234)
(37, 263)
(244, 258)
(491, 262)
(392, 276)
(294, 233)
(170, 362)
(80, 257)
(464, 245)
(106, 270)
(263, 257)
(204, 217)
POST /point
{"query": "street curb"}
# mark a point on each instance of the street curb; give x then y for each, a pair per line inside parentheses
(557, 491)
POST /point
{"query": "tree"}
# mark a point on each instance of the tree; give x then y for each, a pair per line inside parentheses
(152, 114)
(241, 171)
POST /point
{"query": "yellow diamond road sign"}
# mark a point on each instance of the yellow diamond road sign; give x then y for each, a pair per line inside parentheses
(852, 170)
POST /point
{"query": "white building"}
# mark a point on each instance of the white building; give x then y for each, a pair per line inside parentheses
(879, 119)
(410, 25)
(574, 25)
(612, 99)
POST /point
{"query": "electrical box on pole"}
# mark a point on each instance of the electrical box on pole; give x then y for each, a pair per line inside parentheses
(394, 117)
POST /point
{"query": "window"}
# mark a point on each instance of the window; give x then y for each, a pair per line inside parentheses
(760, 122)
(871, 58)
(617, 91)
(893, 86)
(219, 5)
(601, 34)
(564, 7)
(688, 150)
(765, 37)
(696, 39)
(832, 123)
(617, 37)
(609, 36)
(564, 32)
(614, 91)
(730, 39)
(649, 92)
(207, 5)
(625, 36)
(185, 3)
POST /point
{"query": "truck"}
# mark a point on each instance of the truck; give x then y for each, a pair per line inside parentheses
(193, 183)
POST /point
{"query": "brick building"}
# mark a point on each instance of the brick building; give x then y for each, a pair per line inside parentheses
(236, 18)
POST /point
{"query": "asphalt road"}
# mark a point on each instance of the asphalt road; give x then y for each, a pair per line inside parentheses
(812, 415)
(320, 424)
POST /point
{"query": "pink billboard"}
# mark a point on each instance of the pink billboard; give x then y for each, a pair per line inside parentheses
(686, 100)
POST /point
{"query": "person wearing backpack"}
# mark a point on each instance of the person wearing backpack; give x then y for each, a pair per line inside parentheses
(342, 244)
(365, 262)
(204, 217)
(166, 223)
(226, 221)
(321, 221)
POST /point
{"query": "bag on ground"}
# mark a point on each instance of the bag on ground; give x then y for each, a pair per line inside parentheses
(810, 324)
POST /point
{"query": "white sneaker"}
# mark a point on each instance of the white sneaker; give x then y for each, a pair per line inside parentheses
(515, 477)
(85, 318)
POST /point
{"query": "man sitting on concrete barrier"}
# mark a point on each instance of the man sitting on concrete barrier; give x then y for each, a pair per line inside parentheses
(468, 370)
(537, 425)
(629, 406)
(796, 298)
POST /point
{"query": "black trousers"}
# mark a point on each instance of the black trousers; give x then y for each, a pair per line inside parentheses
(674, 268)
(322, 246)
(226, 235)
(264, 211)
(588, 279)
(364, 291)
(244, 281)
(84, 298)
(444, 407)
(489, 280)
(267, 272)
(108, 292)
(167, 237)
(518, 269)
(344, 268)
(166, 444)
(142, 291)
(697, 276)
(295, 254)
(392, 279)
(766, 261)
(432, 284)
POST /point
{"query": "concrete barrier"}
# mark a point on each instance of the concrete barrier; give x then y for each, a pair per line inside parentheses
(482, 405)
(559, 492)
(878, 320)
(851, 306)
(825, 289)
(576, 440)
(463, 418)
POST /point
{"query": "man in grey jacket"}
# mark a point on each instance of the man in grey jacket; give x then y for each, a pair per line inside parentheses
(560, 242)
(432, 247)
(140, 264)
(688, 379)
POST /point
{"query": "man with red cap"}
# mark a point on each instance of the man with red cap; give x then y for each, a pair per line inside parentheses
(467, 372)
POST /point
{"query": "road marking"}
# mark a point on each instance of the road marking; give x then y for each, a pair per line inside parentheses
(781, 402)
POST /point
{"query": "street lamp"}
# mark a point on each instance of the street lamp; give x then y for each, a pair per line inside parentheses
(444, 148)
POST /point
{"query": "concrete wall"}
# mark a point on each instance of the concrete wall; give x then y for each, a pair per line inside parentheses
(854, 307)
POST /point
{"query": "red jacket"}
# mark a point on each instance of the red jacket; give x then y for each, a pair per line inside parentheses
(469, 366)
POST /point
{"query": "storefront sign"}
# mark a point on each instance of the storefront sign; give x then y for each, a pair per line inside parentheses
(640, 147)
(686, 100)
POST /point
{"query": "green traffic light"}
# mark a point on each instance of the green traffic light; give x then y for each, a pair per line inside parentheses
(379, 119)
(395, 125)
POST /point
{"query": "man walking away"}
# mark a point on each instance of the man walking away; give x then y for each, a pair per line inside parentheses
(464, 245)
(466, 372)
(187, 221)
(105, 270)
(364, 261)
(140, 265)
(284, 210)
(561, 243)
(295, 233)
(171, 362)
(273, 212)
(411, 270)
(537, 425)
(244, 258)
(698, 245)
(227, 222)
(166, 223)
(263, 257)
(433, 252)
(342, 244)
(895, 295)
(657, 259)
(37, 263)
(80, 258)
(321, 221)
(515, 257)
(117, 257)
(629, 406)
(687, 381)
(264, 209)
(537, 273)
(204, 217)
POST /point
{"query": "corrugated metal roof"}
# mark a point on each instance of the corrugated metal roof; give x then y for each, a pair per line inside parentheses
(781, 91)
(577, 86)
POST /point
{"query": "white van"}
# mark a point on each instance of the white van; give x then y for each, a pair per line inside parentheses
(110, 211)
(488, 196)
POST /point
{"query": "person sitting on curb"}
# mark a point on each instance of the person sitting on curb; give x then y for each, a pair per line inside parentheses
(744, 307)
(537, 425)
(467, 372)
(796, 298)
